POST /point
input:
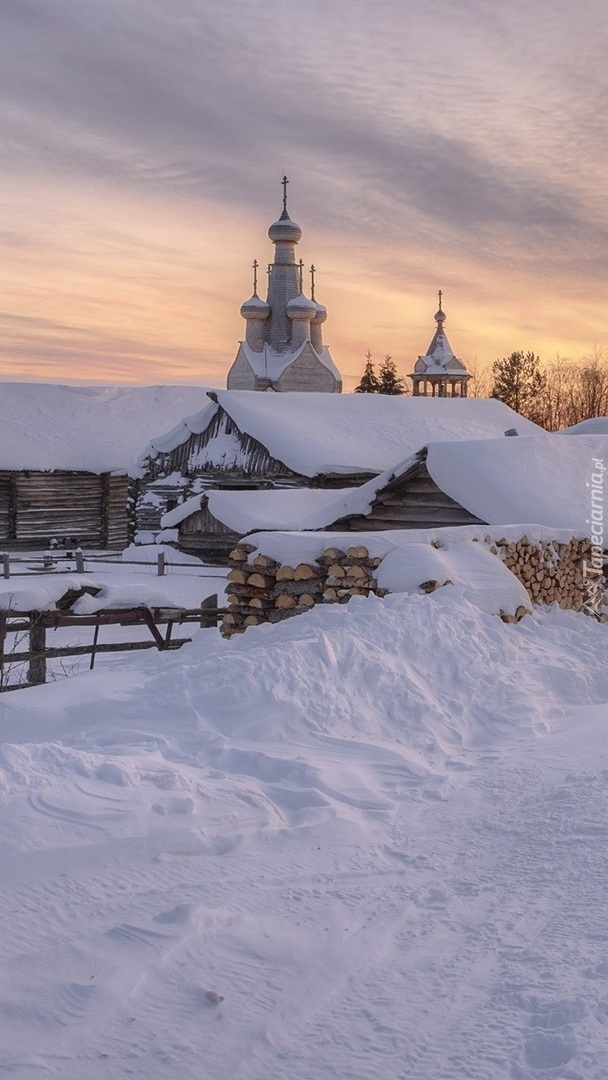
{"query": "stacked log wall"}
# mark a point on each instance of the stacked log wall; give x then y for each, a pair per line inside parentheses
(115, 525)
(410, 501)
(36, 507)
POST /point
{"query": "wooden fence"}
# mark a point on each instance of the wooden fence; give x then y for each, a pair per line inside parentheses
(34, 624)
(51, 562)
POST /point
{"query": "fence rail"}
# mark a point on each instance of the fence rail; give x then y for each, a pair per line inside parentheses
(50, 561)
(36, 623)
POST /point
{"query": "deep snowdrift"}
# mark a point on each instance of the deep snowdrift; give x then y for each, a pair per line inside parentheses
(377, 831)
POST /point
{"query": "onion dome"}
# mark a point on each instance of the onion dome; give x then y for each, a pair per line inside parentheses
(321, 315)
(440, 316)
(301, 307)
(254, 308)
(285, 229)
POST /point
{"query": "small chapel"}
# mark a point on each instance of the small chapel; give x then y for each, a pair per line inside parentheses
(283, 348)
(439, 373)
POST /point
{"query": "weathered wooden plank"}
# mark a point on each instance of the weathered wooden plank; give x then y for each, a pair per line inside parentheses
(396, 514)
(37, 667)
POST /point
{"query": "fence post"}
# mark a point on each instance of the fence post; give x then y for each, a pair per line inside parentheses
(37, 667)
(79, 561)
(3, 618)
(160, 566)
(208, 607)
(6, 559)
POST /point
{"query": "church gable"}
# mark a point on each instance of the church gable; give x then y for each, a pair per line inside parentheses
(307, 372)
(241, 375)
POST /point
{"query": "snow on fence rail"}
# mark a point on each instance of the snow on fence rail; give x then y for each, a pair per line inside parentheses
(34, 624)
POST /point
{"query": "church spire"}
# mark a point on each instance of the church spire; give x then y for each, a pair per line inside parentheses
(439, 369)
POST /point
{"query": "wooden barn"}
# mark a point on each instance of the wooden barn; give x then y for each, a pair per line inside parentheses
(304, 440)
(65, 452)
(211, 524)
(542, 480)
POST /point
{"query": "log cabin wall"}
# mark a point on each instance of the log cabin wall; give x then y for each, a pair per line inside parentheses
(38, 506)
(5, 509)
(115, 517)
(203, 535)
(242, 455)
(411, 501)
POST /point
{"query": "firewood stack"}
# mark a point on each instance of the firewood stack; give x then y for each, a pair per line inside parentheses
(348, 573)
(265, 591)
(550, 571)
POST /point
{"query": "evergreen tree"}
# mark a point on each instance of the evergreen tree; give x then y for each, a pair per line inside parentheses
(518, 381)
(388, 380)
(369, 383)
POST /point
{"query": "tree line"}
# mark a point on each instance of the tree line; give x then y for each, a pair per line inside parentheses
(555, 395)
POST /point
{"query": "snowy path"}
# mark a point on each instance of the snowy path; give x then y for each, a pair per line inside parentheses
(385, 876)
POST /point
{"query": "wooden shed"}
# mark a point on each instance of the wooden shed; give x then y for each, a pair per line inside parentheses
(65, 452)
(210, 524)
(36, 507)
(410, 500)
(302, 440)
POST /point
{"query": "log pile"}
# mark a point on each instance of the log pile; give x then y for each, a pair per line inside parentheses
(550, 571)
(262, 590)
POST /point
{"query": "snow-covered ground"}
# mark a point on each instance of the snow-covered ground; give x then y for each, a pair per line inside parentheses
(368, 843)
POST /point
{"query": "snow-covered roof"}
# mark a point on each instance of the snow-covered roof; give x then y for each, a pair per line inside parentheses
(95, 428)
(544, 479)
(314, 434)
(270, 364)
(597, 425)
(439, 358)
(291, 508)
(244, 511)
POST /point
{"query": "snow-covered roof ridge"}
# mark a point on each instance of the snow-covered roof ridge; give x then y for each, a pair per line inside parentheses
(46, 426)
(190, 425)
(314, 434)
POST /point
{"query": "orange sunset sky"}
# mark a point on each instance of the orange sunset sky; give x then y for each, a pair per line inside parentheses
(428, 145)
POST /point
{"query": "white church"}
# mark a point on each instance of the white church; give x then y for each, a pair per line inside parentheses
(283, 348)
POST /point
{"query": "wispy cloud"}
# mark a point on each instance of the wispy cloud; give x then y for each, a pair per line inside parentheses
(416, 135)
